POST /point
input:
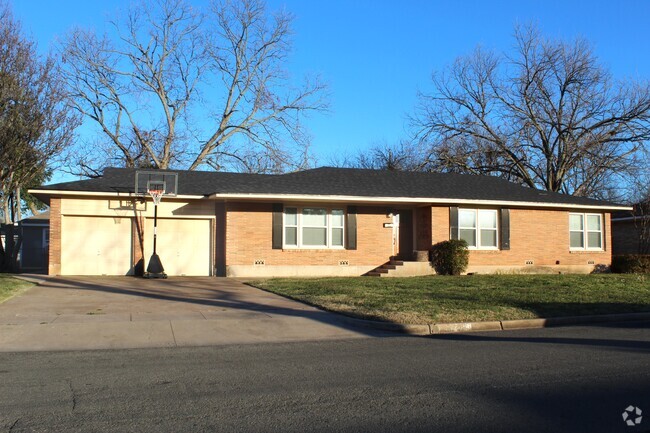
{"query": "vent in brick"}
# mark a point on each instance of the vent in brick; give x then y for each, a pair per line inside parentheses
(344, 263)
(591, 262)
(259, 263)
(530, 262)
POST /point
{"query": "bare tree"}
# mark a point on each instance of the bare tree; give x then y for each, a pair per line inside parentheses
(639, 198)
(180, 86)
(401, 156)
(36, 124)
(550, 116)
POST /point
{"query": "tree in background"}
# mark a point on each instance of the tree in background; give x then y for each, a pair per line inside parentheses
(640, 200)
(550, 116)
(176, 86)
(36, 125)
(402, 156)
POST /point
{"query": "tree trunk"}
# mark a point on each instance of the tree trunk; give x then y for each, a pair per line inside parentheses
(18, 206)
(10, 252)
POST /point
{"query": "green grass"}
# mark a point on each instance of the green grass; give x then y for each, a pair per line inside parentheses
(10, 286)
(442, 299)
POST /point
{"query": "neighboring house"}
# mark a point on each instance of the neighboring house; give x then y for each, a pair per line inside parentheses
(35, 245)
(325, 221)
(631, 231)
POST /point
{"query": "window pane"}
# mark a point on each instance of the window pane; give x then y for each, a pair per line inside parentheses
(314, 217)
(337, 237)
(314, 236)
(593, 222)
(291, 216)
(337, 218)
(469, 235)
(466, 218)
(576, 240)
(575, 222)
(488, 238)
(291, 236)
(593, 240)
(487, 219)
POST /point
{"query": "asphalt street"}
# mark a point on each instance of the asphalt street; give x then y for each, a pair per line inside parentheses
(574, 379)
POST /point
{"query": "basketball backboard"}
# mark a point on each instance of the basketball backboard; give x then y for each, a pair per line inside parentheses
(146, 180)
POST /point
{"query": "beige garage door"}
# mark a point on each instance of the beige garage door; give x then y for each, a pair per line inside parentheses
(183, 245)
(95, 245)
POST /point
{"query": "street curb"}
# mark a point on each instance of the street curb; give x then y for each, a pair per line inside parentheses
(503, 325)
(33, 278)
(404, 328)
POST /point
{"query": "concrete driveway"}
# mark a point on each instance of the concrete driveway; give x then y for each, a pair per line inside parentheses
(125, 312)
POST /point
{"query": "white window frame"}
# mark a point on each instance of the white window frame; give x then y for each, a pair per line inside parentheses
(585, 232)
(478, 228)
(329, 226)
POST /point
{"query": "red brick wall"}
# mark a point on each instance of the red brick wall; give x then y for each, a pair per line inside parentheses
(55, 237)
(423, 240)
(538, 235)
(248, 238)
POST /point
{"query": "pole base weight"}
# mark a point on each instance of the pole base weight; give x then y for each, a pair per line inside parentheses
(154, 275)
(155, 268)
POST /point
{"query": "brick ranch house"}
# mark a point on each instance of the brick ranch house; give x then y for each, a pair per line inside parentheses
(325, 221)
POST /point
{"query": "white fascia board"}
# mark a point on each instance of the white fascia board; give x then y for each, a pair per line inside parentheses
(106, 194)
(407, 200)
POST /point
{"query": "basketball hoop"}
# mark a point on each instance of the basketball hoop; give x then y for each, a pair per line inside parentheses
(156, 195)
(156, 183)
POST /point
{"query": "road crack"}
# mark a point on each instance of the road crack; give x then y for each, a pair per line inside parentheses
(14, 425)
(73, 395)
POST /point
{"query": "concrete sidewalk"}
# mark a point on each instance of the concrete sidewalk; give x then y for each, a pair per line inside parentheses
(124, 312)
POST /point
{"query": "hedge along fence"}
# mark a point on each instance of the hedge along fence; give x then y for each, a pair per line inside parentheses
(450, 257)
(631, 264)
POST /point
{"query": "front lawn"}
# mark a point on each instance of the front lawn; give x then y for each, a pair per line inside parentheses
(10, 286)
(443, 299)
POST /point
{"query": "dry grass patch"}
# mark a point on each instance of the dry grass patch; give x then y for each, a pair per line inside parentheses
(10, 287)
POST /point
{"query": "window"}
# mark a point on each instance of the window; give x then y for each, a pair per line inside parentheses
(585, 231)
(478, 227)
(313, 227)
(46, 238)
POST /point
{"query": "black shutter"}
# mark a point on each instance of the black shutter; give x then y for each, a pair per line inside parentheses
(505, 229)
(453, 222)
(351, 228)
(277, 226)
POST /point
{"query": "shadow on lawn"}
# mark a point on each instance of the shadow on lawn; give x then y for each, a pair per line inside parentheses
(548, 309)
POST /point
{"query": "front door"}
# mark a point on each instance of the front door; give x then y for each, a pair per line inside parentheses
(405, 236)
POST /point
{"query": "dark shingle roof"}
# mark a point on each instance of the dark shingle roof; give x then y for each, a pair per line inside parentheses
(340, 182)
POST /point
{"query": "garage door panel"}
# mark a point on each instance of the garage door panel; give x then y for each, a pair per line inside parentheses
(95, 246)
(183, 245)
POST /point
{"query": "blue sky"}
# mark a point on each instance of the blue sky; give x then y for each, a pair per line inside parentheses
(375, 55)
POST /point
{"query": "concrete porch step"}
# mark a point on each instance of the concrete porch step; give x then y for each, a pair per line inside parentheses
(400, 268)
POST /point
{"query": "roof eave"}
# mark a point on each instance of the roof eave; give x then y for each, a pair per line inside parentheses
(38, 193)
(410, 200)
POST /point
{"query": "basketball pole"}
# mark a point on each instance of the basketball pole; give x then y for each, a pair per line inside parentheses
(155, 227)
(155, 268)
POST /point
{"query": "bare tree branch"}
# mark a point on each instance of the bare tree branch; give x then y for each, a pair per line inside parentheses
(549, 116)
(166, 62)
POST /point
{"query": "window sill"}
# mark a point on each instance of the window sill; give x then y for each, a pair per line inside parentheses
(484, 250)
(586, 251)
(313, 248)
